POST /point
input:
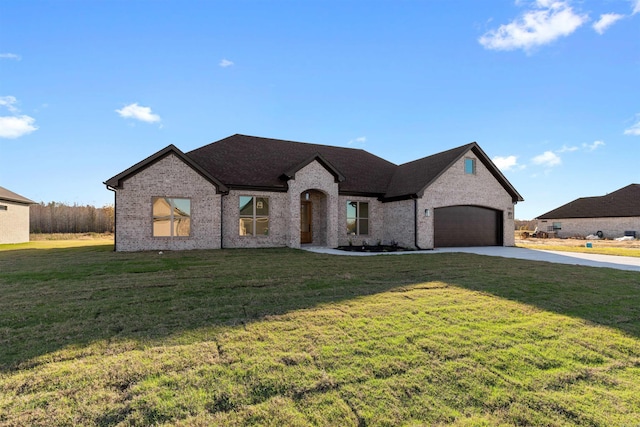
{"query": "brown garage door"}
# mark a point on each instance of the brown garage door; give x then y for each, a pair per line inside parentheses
(458, 226)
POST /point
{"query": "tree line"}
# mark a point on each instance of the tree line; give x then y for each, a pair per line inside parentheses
(56, 217)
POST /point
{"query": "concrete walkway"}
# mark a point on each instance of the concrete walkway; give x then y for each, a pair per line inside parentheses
(573, 258)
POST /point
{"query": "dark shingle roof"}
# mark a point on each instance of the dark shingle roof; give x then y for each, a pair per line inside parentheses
(115, 182)
(249, 162)
(254, 162)
(413, 177)
(624, 202)
(10, 196)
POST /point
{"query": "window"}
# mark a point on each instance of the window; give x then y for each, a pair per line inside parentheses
(470, 166)
(557, 226)
(3, 207)
(357, 218)
(254, 216)
(171, 217)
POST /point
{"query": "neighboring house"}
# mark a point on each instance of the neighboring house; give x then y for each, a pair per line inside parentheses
(14, 217)
(607, 216)
(245, 191)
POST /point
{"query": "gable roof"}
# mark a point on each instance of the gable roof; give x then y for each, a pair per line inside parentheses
(10, 196)
(250, 162)
(116, 181)
(413, 178)
(315, 158)
(624, 202)
(242, 161)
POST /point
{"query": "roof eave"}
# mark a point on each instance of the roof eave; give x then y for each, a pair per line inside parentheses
(9, 196)
(399, 198)
(515, 196)
(338, 176)
(360, 194)
(23, 201)
(116, 181)
(473, 146)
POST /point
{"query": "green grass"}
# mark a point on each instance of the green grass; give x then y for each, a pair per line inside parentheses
(286, 337)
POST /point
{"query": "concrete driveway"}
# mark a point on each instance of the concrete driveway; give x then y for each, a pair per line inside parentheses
(572, 258)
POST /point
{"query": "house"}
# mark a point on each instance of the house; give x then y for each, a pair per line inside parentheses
(14, 217)
(245, 191)
(608, 216)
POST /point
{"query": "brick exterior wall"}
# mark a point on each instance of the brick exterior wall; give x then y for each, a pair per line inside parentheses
(14, 222)
(399, 223)
(314, 177)
(168, 177)
(582, 227)
(376, 222)
(278, 221)
(318, 217)
(215, 217)
(454, 187)
(284, 212)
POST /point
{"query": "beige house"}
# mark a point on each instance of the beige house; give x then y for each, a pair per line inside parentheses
(245, 191)
(610, 216)
(14, 217)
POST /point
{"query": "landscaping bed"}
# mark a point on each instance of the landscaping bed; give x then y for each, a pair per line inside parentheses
(373, 248)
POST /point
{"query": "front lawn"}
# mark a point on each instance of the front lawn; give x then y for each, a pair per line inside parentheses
(286, 337)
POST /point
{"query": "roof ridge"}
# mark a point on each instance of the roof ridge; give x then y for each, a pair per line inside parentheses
(441, 153)
(618, 203)
(296, 142)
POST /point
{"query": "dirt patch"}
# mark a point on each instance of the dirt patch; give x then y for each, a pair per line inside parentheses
(33, 237)
(603, 243)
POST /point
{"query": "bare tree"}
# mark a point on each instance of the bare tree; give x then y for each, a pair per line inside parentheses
(56, 217)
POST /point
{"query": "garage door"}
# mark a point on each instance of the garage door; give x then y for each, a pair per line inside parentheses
(458, 226)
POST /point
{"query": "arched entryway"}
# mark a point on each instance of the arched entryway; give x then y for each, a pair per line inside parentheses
(313, 217)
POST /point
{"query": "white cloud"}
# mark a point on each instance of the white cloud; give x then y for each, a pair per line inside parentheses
(546, 22)
(634, 129)
(9, 102)
(566, 149)
(548, 159)
(593, 146)
(10, 56)
(506, 163)
(605, 21)
(636, 6)
(138, 112)
(16, 126)
(224, 63)
(361, 140)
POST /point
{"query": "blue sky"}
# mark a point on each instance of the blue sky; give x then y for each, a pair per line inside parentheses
(550, 89)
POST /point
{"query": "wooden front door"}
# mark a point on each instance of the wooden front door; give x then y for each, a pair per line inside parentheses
(306, 236)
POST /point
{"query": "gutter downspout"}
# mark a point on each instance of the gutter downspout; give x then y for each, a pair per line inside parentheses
(115, 216)
(415, 224)
(221, 220)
